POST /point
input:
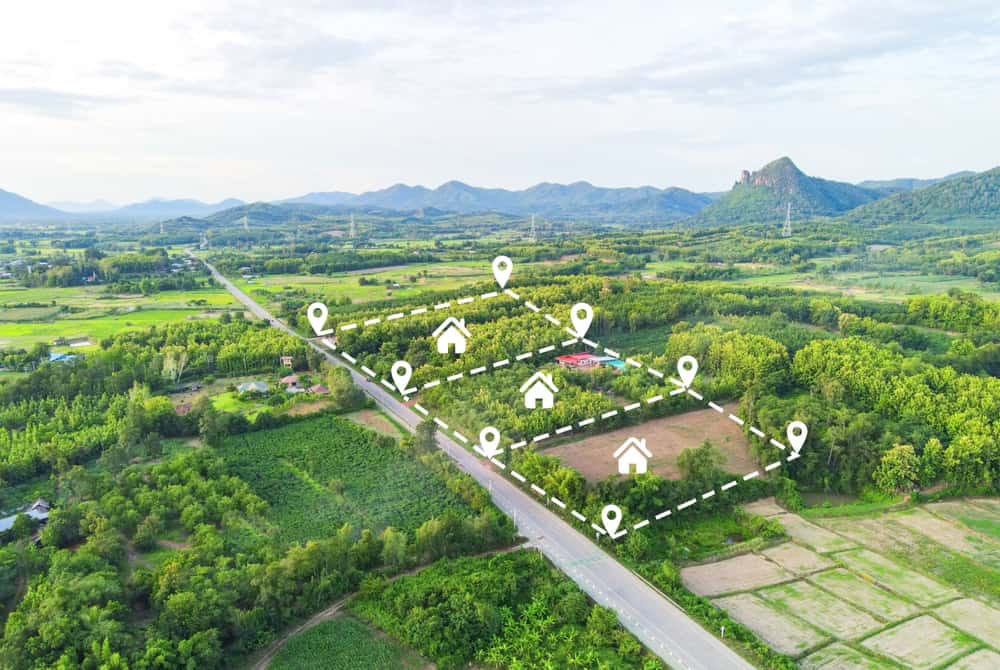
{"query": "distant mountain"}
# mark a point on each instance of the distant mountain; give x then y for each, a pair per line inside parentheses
(976, 196)
(764, 195)
(889, 186)
(84, 207)
(168, 209)
(14, 207)
(557, 201)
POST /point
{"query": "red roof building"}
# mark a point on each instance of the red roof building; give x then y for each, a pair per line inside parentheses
(579, 361)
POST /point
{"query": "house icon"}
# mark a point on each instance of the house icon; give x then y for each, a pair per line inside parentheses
(451, 334)
(632, 454)
(539, 387)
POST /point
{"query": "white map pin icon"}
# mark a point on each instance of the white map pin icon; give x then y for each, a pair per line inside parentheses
(581, 314)
(687, 368)
(502, 267)
(611, 517)
(489, 441)
(797, 433)
(401, 373)
(318, 314)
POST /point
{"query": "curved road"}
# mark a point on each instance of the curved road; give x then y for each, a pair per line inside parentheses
(658, 623)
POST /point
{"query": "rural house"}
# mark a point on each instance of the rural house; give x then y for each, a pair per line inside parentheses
(579, 361)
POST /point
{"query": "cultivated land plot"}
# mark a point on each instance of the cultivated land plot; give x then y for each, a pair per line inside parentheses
(808, 533)
(921, 643)
(841, 657)
(953, 536)
(782, 632)
(896, 578)
(974, 618)
(984, 659)
(857, 591)
(764, 507)
(740, 573)
(880, 533)
(796, 558)
(370, 418)
(819, 608)
(970, 514)
(666, 438)
(318, 474)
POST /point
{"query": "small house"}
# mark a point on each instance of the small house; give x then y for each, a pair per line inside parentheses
(319, 389)
(451, 335)
(37, 511)
(539, 389)
(290, 380)
(61, 357)
(633, 457)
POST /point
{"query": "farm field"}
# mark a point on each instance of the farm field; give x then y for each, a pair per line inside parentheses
(344, 643)
(319, 474)
(887, 287)
(666, 438)
(860, 602)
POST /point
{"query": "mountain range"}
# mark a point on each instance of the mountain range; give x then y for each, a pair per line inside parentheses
(761, 196)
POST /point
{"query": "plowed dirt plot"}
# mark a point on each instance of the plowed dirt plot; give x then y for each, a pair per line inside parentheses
(920, 643)
(666, 438)
(974, 617)
(741, 573)
(841, 657)
(907, 583)
(796, 558)
(984, 659)
(781, 632)
(848, 586)
(817, 607)
(953, 536)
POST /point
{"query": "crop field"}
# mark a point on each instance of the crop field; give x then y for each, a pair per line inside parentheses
(321, 473)
(666, 438)
(881, 590)
(344, 643)
(891, 286)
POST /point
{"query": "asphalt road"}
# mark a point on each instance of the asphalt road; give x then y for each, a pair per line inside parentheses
(658, 623)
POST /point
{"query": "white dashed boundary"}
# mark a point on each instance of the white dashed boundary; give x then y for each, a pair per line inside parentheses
(416, 311)
(681, 388)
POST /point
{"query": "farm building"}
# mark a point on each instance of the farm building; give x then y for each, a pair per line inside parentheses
(37, 511)
(578, 361)
(318, 389)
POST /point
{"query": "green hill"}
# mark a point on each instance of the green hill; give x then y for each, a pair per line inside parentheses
(973, 197)
(764, 195)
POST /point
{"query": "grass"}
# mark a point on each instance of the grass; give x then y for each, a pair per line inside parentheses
(16, 335)
(319, 474)
(989, 527)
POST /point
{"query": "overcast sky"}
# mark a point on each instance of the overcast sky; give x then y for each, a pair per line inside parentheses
(260, 99)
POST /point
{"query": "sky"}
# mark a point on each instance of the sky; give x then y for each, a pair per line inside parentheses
(263, 100)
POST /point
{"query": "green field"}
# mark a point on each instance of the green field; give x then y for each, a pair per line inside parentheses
(25, 334)
(321, 473)
(344, 643)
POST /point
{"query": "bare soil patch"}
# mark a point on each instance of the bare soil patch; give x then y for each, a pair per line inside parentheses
(370, 418)
(305, 408)
(920, 643)
(824, 611)
(796, 558)
(782, 632)
(808, 533)
(954, 537)
(974, 617)
(864, 594)
(764, 507)
(984, 659)
(666, 438)
(740, 573)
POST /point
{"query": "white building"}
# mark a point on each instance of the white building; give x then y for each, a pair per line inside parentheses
(451, 334)
(633, 454)
(539, 388)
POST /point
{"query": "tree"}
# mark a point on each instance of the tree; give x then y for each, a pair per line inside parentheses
(394, 548)
(23, 527)
(931, 461)
(701, 463)
(424, 438)
(898, 470)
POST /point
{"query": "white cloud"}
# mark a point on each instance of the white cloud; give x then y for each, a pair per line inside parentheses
(260, 100)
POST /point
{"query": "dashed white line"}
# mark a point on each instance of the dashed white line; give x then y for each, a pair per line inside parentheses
(368, 371)
(779, 445)
(772, 466)
(612, 353)
(735, 419)
(500, 364)
(539, 438)
(552, 319)
(656, 398)
(641, 524)
(662, 515)
(349, 326)
(430, 385)
(532, 306)
(633, 362)
(709, 494)
(350, 358)
(518, 445)
(757, 431)
(608, 415)
(419, 310)
(545, 350)
(461, 437)
(750, 475)
(441, 423)
(372, 322)
(655, 373)
(463, 301)
(635, 405)
(558, 502)
(579, 516)
(457, 375)
(393, 317)
(443, 305)
(538, 489)
(585, 422)
(726, 487)
(686, 504)
(717, 408)
(420, 408)
(521, 357)
(518, 476)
